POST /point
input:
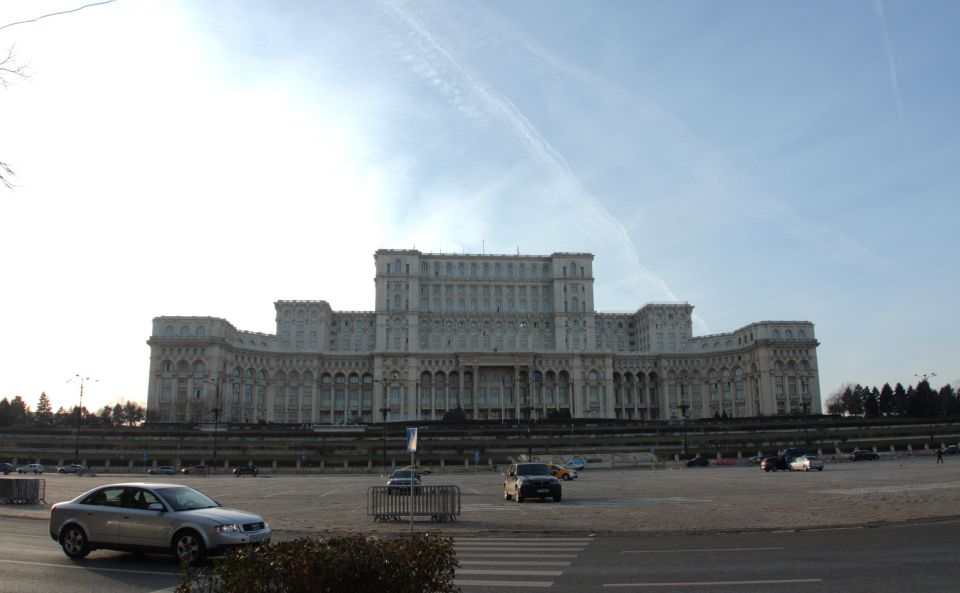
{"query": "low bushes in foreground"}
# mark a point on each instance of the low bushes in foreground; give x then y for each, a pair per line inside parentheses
(356, 564)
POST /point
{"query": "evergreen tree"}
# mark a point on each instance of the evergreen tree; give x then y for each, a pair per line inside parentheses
(900, 400)
(15, 412)
(63, 417)
(871, 402)
(105, 415)
(118, 418)
(44, 414)
(948, 401)
(887, 406)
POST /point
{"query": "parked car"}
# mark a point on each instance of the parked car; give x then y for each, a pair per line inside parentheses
(756, 459)
(6, 468)
(161, 518)
(531, 480)
(246, 470)
(774, 463)
(564, 473)
(196, 470)
(576, 464)
(73, 468)
(698, 462)
(164, 470)
(399, 482)
(421, 470)
(806, 463)
(30, 468)
(863, 455)
(951, 450)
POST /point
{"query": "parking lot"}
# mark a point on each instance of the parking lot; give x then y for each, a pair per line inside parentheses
(600, 501)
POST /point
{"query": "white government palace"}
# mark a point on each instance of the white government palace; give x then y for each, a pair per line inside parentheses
(499, 336)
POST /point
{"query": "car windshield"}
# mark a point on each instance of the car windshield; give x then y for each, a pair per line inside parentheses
(182, 498)
(401, 473)
(533, 469)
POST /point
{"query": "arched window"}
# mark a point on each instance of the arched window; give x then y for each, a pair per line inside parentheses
(183, 366)
(201, 331)
(199, 368)
(788, 334)
(185, 332)
(168, 332)
(801, 335)
(776, 335)
(396, 267)
(396, 302)
(509, 270)
(777, 365)
(574, 304)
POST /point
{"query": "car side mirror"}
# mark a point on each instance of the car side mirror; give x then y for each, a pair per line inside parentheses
(155, 507)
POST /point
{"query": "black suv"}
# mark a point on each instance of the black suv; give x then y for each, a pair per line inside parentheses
(245, 470)
(531, 480)
(864, 455)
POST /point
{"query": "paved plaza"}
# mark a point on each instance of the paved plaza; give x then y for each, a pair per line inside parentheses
(675, 499)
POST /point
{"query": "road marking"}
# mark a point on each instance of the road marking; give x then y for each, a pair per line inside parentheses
(509, 563)
(714, 583)
(524, 539)
(88, 567)
(329, 493)
(468, 583)
(542, 551)
(278, 493)
(471, 554)
(700, 550)
(512, 573)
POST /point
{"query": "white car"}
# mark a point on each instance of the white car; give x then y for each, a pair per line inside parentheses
(160, 518)
(806, 463)
(30, 468)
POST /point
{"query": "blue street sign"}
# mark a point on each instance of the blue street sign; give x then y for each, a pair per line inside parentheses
(144, 455)
(476, 457)
(412, 439)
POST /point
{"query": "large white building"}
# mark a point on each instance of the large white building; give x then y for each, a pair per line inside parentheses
(499, 336)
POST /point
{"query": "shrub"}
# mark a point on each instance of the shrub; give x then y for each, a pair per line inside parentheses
(423, 564)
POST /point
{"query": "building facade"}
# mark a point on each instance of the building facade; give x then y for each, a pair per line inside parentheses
(496, 336)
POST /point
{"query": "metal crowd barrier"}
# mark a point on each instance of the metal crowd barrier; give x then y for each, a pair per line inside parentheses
(440, 503)
(22, 490)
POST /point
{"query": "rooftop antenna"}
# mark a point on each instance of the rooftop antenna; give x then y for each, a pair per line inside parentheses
(483, 246)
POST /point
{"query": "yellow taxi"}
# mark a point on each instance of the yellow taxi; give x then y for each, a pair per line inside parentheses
(562, 472)
(421, 470)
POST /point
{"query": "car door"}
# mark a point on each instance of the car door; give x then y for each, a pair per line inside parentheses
(100, 513)
(139, 525)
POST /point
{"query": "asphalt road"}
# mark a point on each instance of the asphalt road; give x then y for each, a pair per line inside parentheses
(888, 559)
(703, 529)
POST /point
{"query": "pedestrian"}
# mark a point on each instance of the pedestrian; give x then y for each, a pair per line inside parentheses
(939, 455)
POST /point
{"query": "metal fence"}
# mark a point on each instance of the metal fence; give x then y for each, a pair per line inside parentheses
(440, 503)
(22, 490)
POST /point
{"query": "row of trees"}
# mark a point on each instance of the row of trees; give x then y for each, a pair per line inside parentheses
(921, 401)
(16, 412)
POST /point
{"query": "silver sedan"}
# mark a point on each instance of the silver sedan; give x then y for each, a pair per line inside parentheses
(161, 518)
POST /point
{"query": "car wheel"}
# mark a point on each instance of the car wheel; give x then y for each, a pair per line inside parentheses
(519, 496)
(557, 498)
(73, 540)
(188, 547)
(566, 477)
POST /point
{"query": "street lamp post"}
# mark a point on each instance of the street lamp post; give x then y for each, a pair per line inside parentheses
(216, 416)
(684, 406)
(384, 409)
(78, 379)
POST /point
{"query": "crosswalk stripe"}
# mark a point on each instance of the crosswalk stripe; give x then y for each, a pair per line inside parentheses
(524, 549)
(511, 573)
(491, 555)
(510, 563)
(486, 583)
(523, 539)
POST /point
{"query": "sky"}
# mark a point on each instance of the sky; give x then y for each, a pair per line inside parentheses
(760, 160)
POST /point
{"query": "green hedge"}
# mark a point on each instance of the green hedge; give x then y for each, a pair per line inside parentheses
(422, 564)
